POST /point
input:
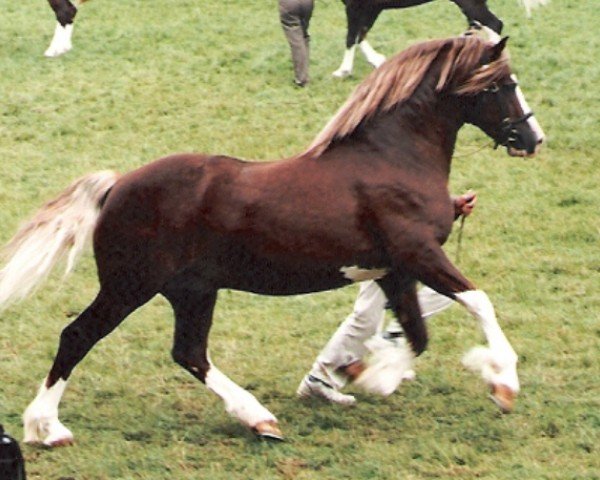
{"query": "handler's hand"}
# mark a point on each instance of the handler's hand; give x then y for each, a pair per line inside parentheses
(465, 203)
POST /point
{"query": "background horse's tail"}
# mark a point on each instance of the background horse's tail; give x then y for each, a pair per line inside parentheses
(63, 226)
(530, 4)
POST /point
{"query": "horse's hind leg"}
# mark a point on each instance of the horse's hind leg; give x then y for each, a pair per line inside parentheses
(65, 13)
(373, 57)
(193, 319)
(40, 420)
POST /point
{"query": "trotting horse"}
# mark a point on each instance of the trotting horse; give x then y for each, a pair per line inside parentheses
(367, 199)
(361, 15)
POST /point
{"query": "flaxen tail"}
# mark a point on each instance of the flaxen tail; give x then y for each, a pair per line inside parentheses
(61, 228)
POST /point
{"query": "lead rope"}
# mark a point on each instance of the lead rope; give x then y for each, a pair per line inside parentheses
(459, 240)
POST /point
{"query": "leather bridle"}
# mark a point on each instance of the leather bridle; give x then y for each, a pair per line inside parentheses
(508, 131)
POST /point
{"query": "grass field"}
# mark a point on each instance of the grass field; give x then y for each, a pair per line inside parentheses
(150, 78)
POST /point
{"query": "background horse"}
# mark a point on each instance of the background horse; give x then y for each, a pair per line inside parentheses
(367, 199)
(361, 15)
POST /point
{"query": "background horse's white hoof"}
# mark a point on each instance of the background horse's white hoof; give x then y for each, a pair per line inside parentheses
(53, 52)
(341, 73)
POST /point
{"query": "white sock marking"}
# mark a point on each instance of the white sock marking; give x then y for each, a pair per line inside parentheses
(61, 42)
(373, 57)
(239, 403)
(347, 63)
(40, 420)
(499, 363)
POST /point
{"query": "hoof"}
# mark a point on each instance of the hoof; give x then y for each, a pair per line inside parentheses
(56, 52)
(503, 397)
(268, 430)
(341, 73)
(60, 442)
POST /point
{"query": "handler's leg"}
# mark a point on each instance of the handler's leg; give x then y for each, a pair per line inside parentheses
(345, 347)
(295, 19)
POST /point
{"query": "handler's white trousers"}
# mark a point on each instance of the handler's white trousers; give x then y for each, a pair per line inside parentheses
(347, 344)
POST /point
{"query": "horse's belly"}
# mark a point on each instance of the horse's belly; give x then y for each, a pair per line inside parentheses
(272, 279)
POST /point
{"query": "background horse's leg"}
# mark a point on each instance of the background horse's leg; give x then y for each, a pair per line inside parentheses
(477, 10)
(373, 57)
(360, 20)
(65, 13)
(98, 320)
(193, 319)
(353, 22)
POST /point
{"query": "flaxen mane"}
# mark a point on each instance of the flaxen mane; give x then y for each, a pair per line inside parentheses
(394, 82)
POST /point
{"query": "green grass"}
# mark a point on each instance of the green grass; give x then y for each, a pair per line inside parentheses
(150, 78)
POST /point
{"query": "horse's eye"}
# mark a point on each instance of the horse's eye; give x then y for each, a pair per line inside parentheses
(493, 88)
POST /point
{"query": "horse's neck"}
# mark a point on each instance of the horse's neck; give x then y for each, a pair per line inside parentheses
(423, 138)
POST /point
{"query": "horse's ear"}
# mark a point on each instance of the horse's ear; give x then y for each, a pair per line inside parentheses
(497, 49)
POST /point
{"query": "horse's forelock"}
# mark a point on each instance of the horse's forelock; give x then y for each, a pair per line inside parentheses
(484, 76)
(396, 81)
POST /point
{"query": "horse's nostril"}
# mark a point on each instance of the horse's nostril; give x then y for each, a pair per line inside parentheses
(541, 140)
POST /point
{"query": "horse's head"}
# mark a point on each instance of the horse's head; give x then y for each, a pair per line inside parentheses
(499, 107)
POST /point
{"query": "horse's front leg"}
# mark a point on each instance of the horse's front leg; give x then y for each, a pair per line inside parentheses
(497, 363)
(354, 21)
(65, 13)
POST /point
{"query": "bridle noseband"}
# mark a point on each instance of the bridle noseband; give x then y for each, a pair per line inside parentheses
(507, 129)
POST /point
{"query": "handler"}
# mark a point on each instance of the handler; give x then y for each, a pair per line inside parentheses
(340, 361)
(295, 16)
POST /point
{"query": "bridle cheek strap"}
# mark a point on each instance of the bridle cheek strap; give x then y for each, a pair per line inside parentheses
(507, 129)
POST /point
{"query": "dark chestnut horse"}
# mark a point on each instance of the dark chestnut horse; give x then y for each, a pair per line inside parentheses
(361, 15)
(367, 199)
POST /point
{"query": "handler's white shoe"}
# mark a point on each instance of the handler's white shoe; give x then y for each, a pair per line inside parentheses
(314, 387)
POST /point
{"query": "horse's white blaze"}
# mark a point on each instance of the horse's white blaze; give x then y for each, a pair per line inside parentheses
(61, 42)
(531, 121)
(498, 364)
(347, 63)
(357, 274)
(40, 420)
(373, 57)
(239, 403)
